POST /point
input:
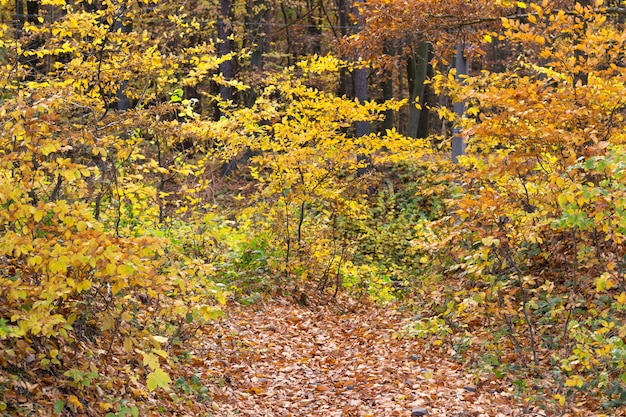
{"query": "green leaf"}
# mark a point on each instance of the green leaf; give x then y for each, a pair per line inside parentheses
(58, 406)
(158, 378)
(479, 297)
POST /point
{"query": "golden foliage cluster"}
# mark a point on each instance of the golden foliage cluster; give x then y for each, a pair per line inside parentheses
(537, 231)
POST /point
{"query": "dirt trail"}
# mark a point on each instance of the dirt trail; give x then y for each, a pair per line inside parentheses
(286, 360)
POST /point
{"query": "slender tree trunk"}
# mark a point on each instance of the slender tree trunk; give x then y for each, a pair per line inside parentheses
(359, 79)
(283, 10)
(423, 128)
(315, 28)
(224, 48)
(20, 18)
(344, 77)
(417, 71)
(257, 31)
(387, 90)
(32, 11)
(123, 102)
(387, 87)
(28, 11)
(458, 144)
(256, 40)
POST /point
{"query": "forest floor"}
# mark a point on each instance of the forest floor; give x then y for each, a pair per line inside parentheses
(282, 359)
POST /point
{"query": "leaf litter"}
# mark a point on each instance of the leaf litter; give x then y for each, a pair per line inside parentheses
(281, 359)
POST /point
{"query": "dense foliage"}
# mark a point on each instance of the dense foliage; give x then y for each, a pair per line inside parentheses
(142, 185)
(537, 231)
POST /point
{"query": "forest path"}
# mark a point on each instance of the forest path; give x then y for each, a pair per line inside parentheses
(281, 359)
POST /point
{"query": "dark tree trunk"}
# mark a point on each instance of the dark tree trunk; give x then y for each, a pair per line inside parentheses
(258, 28)
(344, 77)
(429, 100)
(224, 47)
(257, 40)
(458, 144)
(359, 79)
(387, 90)
(417, 70)
(315, 28)
(20, 18)
(28, 11)
(32, 11)
(123, 102)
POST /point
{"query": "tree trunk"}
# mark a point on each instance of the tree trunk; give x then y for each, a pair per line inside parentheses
(257, 11)
(417, 71)
(458, 144)
(256, 40)
(28, 11)
(123, 102)
(20, 18)
(359, 80)
(344, 77)
(359, 77)
(423, 128)
(224, 33)
(387, 90)
(315, 29)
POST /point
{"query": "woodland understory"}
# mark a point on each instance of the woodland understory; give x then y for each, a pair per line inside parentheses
(324, 208)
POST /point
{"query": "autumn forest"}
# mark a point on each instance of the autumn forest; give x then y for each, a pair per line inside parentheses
(312, 208)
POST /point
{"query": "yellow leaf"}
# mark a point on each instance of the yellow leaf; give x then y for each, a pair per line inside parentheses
(128, 345)
(487, 38)
(110, 269)
(84, 285)
(160, 352)
(74, 401)
(622, 298)
(48, 148)
(38, 215)
(108, 323)
(521, 4)
(559, 398)
(574, 381)
(604, 282)
(151, 360)
(161, 340)
(211, 312)
(104, 406)
(35, 260)
(158, 378)
(220, 296)
(57, 265)
(125, 270)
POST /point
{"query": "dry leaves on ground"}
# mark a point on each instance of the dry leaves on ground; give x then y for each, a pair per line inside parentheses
(287, 360)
